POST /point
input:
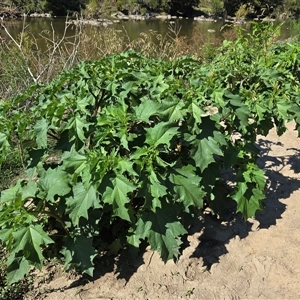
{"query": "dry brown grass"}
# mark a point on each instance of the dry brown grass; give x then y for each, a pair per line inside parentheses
(24, 62)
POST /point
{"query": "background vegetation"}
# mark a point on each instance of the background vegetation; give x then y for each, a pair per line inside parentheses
(188, 7)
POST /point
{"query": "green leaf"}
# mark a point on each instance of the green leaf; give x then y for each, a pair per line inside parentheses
(4, 143)
(206, 148)
(153, 189)
(158, 86)
(207, 144)
(255, 174)
(134, 243)
(115, 247)
(196, 111)
(157, 186)
(248, 199)
(41, 129)
(117, 196)
(146, 109)
(173, 109)
(282, 109)
(250, 190)
(80, 253)
(77, 124)
(125, 165)
(83, 199)
(11, 194)
(186, 187)
(83, 71)
(17, 269)
(162, 230)
(161, 133)
(241, 110)
(29, 240)
(260, 110)
(54, 182)
(218, 96)
(29, 190)
(75, 163)
(6, 234)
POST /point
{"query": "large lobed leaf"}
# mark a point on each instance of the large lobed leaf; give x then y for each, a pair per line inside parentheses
(25, 250)
(162, 230)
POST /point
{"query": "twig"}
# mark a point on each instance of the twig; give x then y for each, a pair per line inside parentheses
(19, 45)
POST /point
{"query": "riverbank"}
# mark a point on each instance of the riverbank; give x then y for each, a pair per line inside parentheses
(107, 19)
(117, 17)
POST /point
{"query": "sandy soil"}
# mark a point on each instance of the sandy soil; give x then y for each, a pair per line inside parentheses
(256, 259)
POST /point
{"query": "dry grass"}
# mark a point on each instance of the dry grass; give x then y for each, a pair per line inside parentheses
(24, 62)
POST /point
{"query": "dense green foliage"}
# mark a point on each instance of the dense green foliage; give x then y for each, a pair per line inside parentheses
(264, 7)
(128, 148)
(257, 7)
(61, 7)
(254, 7)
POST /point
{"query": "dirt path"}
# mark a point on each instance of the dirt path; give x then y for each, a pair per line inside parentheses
(257, 259)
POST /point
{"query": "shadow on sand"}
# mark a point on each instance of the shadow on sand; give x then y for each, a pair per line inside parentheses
(216, 234)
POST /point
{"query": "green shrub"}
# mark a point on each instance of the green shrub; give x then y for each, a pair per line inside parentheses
(128, 148)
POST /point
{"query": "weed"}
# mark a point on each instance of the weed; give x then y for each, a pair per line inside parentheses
(175, 273)
(190, 292)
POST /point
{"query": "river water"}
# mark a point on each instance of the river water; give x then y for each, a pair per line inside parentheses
(131, 28)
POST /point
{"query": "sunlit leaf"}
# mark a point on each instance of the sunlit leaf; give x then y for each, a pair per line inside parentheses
(54, 182)
(117, 195)
(41, 129)
(161, 133)
(83, 199)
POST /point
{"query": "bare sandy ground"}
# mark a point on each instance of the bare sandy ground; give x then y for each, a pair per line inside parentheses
(256, 259)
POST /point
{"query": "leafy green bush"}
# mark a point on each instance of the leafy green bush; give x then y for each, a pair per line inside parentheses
(128, 148)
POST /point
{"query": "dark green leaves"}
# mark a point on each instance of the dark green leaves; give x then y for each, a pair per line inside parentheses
(125, 147)
(79, 253)
(82, 200)
(118, 196)
(160, 134)
(146, 109)
(207, 144)
(25, 249)
(41, 129)
(162, 230)
(53, 182)
(77, 126)
(186, 187)
(250, 190)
